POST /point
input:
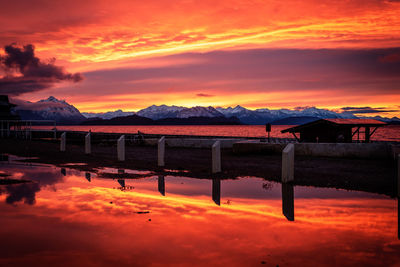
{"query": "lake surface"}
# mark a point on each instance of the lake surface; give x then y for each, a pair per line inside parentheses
(387, 133)
(71, 218)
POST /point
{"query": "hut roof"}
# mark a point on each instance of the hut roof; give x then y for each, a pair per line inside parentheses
(342, 122)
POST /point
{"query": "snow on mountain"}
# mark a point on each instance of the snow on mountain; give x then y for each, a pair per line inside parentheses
(107, 115)
(160, 112)
(261, 116)
(49, 109)
(199, 112)
(59, 110)
(380, 118)
(243, 114)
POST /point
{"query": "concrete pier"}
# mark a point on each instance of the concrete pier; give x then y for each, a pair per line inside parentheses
(161, 152)
(216, 157)
(288, 164)
(88, 146)
(63, 141)
(121, 148)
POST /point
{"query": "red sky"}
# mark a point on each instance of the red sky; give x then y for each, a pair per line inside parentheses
(275, 54)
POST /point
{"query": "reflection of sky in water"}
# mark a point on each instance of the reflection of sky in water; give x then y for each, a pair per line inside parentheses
(67, 220)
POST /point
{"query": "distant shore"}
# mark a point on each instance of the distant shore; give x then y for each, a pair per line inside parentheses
(372, 175)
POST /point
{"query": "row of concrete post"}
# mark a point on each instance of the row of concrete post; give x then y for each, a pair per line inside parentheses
(287, 155)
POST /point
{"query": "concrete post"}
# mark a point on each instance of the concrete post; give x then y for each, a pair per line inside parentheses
(288, 164)
(161, 152)
(63, 141)
(88, 146)
(121, 148)
(216, 157)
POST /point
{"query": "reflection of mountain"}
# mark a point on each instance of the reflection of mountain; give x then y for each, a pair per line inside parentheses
(288, 201)
(216, 191)
(41, 176)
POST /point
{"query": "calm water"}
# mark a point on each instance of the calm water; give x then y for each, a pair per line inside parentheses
(388, 133)
(70, 218)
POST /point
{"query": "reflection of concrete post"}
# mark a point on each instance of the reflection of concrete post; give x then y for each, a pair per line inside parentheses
(121, 148)
(288, 201)
(88, 145)
(216, 157)
(398, 175)
(87, 176)
(63, 141)
(216, 191)
(121, 182)
(288, 164)
(161, 184)
(161, 151)
(398, 218)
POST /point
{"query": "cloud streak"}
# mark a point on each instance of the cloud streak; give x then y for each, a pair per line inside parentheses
(23, 72)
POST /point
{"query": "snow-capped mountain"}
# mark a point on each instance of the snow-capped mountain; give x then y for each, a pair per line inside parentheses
(107, 115)
(59, 110)
(261, 116)
(49, 109)
(243, 114)
(384, 119)
(160, 112)
(199, 112)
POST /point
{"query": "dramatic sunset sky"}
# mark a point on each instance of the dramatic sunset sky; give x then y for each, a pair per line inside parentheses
(275, 54)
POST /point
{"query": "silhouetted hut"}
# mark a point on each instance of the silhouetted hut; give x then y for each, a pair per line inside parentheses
(7, 117)
(335, 130)
(6, 112)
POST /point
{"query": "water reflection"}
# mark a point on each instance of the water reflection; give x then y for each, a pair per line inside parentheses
(182, 225)
(161, 184)
(40, 176)
(216, 191)
(288, 201)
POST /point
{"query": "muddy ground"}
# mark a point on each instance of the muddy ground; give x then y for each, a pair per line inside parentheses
(371, 175)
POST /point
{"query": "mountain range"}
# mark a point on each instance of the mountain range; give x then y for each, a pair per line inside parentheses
(59, 110)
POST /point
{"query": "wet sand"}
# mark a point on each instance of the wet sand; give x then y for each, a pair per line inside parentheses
(371, 175)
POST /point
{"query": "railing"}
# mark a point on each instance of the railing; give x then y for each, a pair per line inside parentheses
(21, 128)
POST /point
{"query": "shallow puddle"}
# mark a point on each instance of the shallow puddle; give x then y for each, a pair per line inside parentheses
(72, 218)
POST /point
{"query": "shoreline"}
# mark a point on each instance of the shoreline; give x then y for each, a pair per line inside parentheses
(369, 175)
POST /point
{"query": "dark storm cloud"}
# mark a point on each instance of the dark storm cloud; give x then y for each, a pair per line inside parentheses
(361, 110)
(24, 72)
